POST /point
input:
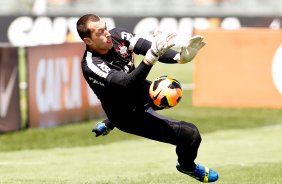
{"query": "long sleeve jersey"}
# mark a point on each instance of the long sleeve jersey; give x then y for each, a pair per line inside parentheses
(113, 77)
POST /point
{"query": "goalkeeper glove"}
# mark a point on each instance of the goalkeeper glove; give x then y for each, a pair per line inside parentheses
(187, 53)
(101, 129)
(161, 43)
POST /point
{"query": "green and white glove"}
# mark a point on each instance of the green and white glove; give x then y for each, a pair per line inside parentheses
(187, 53)
(161, 43)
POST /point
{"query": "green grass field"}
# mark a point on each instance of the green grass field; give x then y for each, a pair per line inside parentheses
(249, 156)
(243, 145)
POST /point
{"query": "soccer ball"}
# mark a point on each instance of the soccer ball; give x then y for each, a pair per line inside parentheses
(165, 91)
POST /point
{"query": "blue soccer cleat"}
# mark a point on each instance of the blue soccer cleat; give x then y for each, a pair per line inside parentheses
(101, 129)
(201, 173)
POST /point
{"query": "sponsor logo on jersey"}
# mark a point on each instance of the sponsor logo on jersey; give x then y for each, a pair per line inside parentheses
(122, 50)
(101, 69)
(104, 67)
(126, 35)
(94, 81)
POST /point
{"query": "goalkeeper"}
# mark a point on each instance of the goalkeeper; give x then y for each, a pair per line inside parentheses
(122, 88)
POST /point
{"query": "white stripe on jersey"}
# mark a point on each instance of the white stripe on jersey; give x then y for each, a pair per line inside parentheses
(93, 67)
(133, 42)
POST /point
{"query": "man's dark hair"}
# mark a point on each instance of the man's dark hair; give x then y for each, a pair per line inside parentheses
(81, 25)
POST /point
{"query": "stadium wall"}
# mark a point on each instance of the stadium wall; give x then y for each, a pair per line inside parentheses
(10, 119)
(57, 91)
(239, 68)
(28, 30)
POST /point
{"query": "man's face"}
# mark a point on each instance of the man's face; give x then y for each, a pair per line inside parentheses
(100, 39)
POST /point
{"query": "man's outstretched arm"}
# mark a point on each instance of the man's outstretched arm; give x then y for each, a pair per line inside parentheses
(185, 55)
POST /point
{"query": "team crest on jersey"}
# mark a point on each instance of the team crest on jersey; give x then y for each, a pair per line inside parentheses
(122, 49)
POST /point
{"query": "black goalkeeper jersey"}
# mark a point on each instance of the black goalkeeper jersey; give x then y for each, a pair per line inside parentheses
(119, 85)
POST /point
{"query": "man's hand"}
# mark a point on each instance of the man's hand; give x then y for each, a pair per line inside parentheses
(161, 43)
(101, 129)
(187, 53)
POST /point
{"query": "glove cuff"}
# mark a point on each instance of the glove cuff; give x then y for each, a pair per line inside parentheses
(185, 56)
(151, 57)
(177, 58)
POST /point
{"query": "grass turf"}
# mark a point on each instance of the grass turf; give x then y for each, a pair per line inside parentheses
(249, 156)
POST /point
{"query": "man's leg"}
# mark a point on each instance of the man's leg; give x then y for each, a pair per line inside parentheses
(153, 126)
(184, 135)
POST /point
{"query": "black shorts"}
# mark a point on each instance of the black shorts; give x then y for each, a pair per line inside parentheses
(149, 124)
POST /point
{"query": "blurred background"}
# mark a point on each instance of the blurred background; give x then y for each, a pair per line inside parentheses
(232, 92)
(142, 8)
(24, 20)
